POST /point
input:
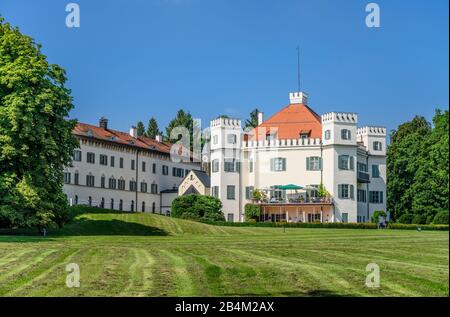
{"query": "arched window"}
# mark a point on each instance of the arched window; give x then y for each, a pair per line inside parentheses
(112, 203)
(102, 204)
(103, 181)
(76, 199)
(143, 206)
(132, 205)
(90, 201)
(153, 207)
(121, 205)
(76, 178)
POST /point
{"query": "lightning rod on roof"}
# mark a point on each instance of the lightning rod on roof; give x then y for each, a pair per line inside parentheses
(298, 67)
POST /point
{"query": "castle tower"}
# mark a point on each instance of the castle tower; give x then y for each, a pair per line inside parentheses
(339, 153)
(225, 154)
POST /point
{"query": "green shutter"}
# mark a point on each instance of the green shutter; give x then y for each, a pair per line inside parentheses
(272, 164)
(352, 163)
(308, 167)
(352, 192)
(320, 163)
(284, 164)
(339, 191)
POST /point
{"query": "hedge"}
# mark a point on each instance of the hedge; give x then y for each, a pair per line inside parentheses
(403, 226)
(336, 225)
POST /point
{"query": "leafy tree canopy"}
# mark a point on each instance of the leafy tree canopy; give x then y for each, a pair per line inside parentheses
(36, 139)
(417, 164)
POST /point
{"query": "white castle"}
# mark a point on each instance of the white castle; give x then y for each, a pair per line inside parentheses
(289, 155)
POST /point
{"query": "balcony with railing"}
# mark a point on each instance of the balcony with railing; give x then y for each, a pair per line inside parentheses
(363, 177)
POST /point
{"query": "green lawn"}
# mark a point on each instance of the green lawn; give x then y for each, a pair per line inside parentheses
(149, 255)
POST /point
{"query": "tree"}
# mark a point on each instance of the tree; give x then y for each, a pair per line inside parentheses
(417, 165)
(140, 128)
(36, 140)
(182, 119)
(152, 128)
(405, 147)
(252, 122)
(252, 212)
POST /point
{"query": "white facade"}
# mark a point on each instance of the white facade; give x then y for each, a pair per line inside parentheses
(126, 177)
(351, 164)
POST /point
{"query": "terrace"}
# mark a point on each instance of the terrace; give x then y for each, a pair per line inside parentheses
(293, 203)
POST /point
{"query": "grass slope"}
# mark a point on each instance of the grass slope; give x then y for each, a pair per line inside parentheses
(123, 254)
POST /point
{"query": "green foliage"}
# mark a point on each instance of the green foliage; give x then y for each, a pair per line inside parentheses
(197, 207)
(402, 226)
(335, 225)
(152, 128)
(417, 164)
(252, 212)
(140, 128)
(258, 195)
(252, 122)
(441, 218)
(322, 192)
(377, 214)
(36, 140)
(405, 218)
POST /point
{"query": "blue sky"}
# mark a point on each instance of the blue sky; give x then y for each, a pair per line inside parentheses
(133, 59)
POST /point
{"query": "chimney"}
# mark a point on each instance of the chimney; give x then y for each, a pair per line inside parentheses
(133, 131)
(103, 123)
(159, 138)
(298, 98)
(260, 117)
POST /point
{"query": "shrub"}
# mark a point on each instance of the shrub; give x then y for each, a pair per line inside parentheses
(419, 219)
(441, 218)
(377, 214)
(252, 212)
(405, 218)
(197, 207)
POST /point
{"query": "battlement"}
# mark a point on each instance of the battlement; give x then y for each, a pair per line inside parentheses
(281, 143)
(375, 131)
(346, 117)
(226, 122)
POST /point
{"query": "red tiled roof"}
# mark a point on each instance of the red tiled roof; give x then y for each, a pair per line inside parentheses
(92, 131)
(289, 123)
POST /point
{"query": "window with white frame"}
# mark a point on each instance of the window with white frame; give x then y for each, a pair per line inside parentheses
(377, 146)
(278, 164)
(327, 134)
(346, 162)
(215, 139)
(361, 196)
(375, 171)
(231, 138)
(346, 134)
(231, 192)
(67, 177)
(313, 163)
(77, 155)
(346, 191)
(215, 191)
(215, 166)
(376, 197)
(249, 192)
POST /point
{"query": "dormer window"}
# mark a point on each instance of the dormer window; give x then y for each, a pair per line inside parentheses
(270, 136)
(305, 134)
